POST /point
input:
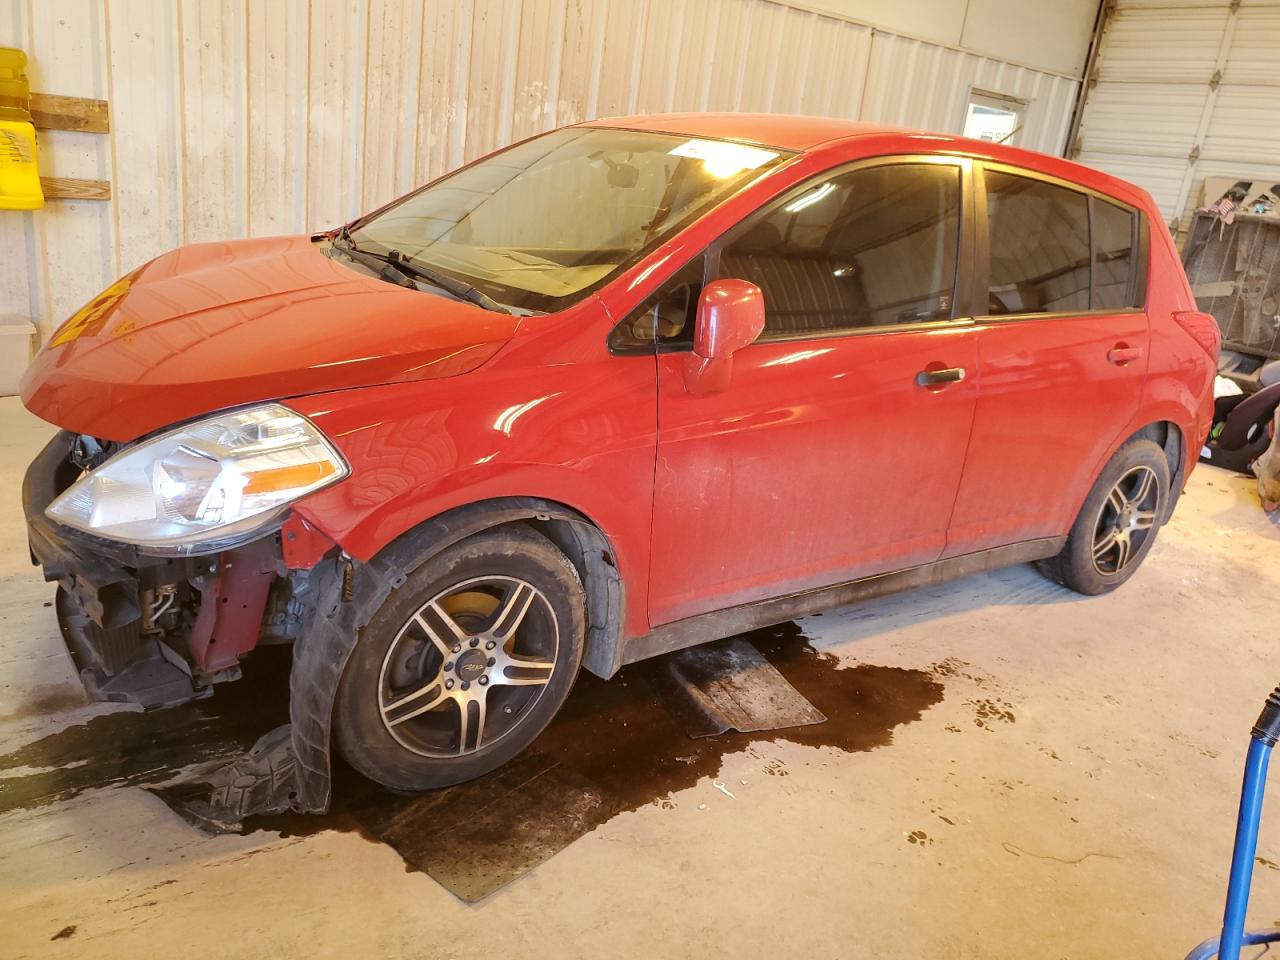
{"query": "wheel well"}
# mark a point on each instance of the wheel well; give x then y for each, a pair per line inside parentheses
(574, 534)
(592, 556)
(1169, 436)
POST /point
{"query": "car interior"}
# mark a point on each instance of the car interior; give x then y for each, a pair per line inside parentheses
(849, 252)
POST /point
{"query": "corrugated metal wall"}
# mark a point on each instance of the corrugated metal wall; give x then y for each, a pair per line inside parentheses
(233, 118)
(1183, 90)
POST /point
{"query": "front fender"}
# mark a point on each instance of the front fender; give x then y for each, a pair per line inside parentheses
(585, 440)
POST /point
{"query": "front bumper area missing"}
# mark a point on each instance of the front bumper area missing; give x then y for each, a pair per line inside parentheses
(159, 631)
(156, 631)
(120, 665)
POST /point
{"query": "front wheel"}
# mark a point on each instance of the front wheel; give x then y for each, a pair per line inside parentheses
(1117, 525)
(464, 664)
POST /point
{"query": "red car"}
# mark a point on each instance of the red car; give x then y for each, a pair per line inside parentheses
(619, 389)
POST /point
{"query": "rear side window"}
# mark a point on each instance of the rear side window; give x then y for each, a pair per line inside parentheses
(868, 248)
(1039, 243)
(1057, 250)
(1113, 257)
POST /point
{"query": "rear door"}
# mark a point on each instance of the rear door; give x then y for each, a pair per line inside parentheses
(826, 458)
(1063, 353)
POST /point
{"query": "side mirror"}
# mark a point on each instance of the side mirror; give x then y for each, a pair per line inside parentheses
(730, 316)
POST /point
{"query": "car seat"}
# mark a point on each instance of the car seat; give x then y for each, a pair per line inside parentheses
(804, 290)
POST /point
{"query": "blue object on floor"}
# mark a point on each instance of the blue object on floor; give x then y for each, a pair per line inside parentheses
(1227, 945)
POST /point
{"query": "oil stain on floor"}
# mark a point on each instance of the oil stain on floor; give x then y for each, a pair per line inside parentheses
(613, 748)
(131, 748)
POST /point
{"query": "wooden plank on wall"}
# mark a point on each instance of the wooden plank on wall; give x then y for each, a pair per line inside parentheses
(72, 241)
(71, 188)
(80, 114)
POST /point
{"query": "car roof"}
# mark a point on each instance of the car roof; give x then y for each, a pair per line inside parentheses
(788, 131)
(804, 133)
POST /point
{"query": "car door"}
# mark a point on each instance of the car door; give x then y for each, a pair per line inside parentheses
(835, 451)
(1062, 353)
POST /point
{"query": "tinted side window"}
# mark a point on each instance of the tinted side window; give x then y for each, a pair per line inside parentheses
(871, 247)
(1039, 243)
(1113, 259)
(666, 316)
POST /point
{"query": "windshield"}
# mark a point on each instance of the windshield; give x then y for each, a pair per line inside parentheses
(539, 225)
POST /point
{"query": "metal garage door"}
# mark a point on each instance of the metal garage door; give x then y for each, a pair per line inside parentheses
(1180, 91)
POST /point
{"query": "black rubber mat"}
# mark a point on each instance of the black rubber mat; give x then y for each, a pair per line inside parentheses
(729, 685)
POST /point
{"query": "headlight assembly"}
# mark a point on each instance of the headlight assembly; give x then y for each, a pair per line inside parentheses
(204, 486)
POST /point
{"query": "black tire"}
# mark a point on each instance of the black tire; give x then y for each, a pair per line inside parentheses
(1076, 566)
(419, 754)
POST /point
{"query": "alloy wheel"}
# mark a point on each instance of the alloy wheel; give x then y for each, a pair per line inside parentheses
(1127, 517)
(467, 666)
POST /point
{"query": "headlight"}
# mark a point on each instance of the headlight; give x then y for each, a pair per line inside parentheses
(206, 485)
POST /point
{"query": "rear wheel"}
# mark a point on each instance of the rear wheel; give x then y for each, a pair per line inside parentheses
(464, 664)
(1117, 524)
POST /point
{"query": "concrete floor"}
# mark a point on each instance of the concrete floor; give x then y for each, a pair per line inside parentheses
(1072, 795)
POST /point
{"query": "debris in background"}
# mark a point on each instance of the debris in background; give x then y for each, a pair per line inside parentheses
(1231, 261)
(719, 785)
(1267, 467)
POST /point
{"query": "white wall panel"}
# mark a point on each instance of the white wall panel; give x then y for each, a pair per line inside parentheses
(338, 141)
(1051, 36)
(214, 138)
(1048, 35)
(1186, 89)
(144, 81)
(913, 83)
(1245, 125)
(395, 64)
(239, 118)
(1255, 46)
(1159, 44)
(276, 57)
(1144, 119)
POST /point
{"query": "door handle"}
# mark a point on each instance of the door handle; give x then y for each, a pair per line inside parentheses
(1122, 353)
(939, 378)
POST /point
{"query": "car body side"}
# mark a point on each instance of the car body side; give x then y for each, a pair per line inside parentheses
(555, 417)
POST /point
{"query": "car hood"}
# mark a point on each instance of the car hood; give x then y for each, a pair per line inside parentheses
(221, 324)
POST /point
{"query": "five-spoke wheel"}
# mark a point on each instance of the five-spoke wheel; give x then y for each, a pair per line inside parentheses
(466, 667)
(464, 663)
(1127, 517)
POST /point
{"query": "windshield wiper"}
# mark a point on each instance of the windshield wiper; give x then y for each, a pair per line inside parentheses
(405, 267)
(459, 288)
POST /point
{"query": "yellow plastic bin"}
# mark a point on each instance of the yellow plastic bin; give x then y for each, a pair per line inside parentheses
(19, 178)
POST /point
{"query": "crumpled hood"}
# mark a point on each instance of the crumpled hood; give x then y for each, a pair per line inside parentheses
(221, 324)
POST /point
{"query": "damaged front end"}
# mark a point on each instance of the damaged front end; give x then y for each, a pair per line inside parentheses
(153, 630)
(159, 631)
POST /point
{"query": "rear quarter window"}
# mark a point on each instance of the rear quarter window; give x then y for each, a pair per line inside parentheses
(1114, 239)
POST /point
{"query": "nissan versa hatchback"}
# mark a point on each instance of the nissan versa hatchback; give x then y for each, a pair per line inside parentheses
(619, 389)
